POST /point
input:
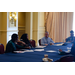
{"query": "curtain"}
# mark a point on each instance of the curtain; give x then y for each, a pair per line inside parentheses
(58, 24)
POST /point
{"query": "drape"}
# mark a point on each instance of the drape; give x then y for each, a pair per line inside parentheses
(58, 24)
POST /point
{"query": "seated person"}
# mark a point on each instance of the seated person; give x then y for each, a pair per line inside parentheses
(72, 51)
(12, 46)
(25, 39)
(46, 40)
(71, 38)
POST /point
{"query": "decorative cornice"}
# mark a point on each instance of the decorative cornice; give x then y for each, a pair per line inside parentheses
(8, 30)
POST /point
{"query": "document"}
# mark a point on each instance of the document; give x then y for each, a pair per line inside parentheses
(67, 51)
(28, 51)
(39, 50)
(58, 44)
(23, 51)
(40, 46)
(51, 51)
(19, 51)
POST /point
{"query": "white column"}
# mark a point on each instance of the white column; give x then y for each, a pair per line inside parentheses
(11, 30)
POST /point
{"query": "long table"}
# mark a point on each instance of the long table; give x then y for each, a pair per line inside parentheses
(35, 56)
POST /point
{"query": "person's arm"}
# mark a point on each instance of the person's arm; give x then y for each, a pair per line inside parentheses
(22, 42)
(42, 42)
(21, 47)
(68, 39)
(62, 52)
(51, 41)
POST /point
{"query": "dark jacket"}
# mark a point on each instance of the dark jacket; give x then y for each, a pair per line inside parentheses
(11, 46)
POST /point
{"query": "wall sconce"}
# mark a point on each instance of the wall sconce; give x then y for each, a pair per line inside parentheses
(12, 17)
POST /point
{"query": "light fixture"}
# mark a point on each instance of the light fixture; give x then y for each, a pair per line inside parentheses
(12, 15)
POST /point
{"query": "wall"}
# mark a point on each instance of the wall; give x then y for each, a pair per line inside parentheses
(41, 25)
(34, 25)
(3, 28)
(38, 26)
(21, 23)
(31, 23)
(27, 23)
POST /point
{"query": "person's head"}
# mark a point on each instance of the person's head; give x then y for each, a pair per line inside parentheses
(14, 37)
(71, 33)
(46, 34)
(24, 36)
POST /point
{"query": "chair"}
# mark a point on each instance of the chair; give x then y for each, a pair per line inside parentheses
(39, 42)
(1, 48)
(67, 58)
(33, 43)
(18, 43)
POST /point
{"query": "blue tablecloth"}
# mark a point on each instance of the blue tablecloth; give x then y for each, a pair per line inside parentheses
(35, 56)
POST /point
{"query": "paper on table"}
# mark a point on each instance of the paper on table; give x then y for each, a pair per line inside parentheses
(19, 51)
(28, 51)
(39, 50)
(51, 51)
(23, 51)
(40, 46)
(58, 44)
(67, 51)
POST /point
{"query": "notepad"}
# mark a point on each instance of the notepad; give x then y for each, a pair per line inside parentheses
(51, 51)
(28, 51)
(23, 51)
(58, 44)
(39, 50)
(40, 46)
(68, 51)
(19, 51)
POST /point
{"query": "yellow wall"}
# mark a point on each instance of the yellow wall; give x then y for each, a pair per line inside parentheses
(21, 18)
(26, 21)
(21, 23)
(35, 26)
(41, 25)
(38, 26)
(3, 28)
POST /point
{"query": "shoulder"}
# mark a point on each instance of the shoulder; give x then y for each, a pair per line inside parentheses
(49, 38)
(68, 38)
(9, 42)
(43, 38)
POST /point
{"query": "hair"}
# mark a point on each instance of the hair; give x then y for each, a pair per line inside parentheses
(46, 32)
(24, 38)
(71, 31)
(14, 37)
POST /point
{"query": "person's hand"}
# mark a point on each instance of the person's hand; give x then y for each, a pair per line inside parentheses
(46, 44)
(23, 43)
(51, 43)
(27, 47)
(60, 50)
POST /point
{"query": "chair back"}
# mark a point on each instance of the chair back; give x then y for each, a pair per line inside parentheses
(33, 43)
(40, 42)
(67, 58)
(1, 48)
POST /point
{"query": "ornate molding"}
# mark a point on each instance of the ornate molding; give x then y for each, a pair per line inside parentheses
(8, 30)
